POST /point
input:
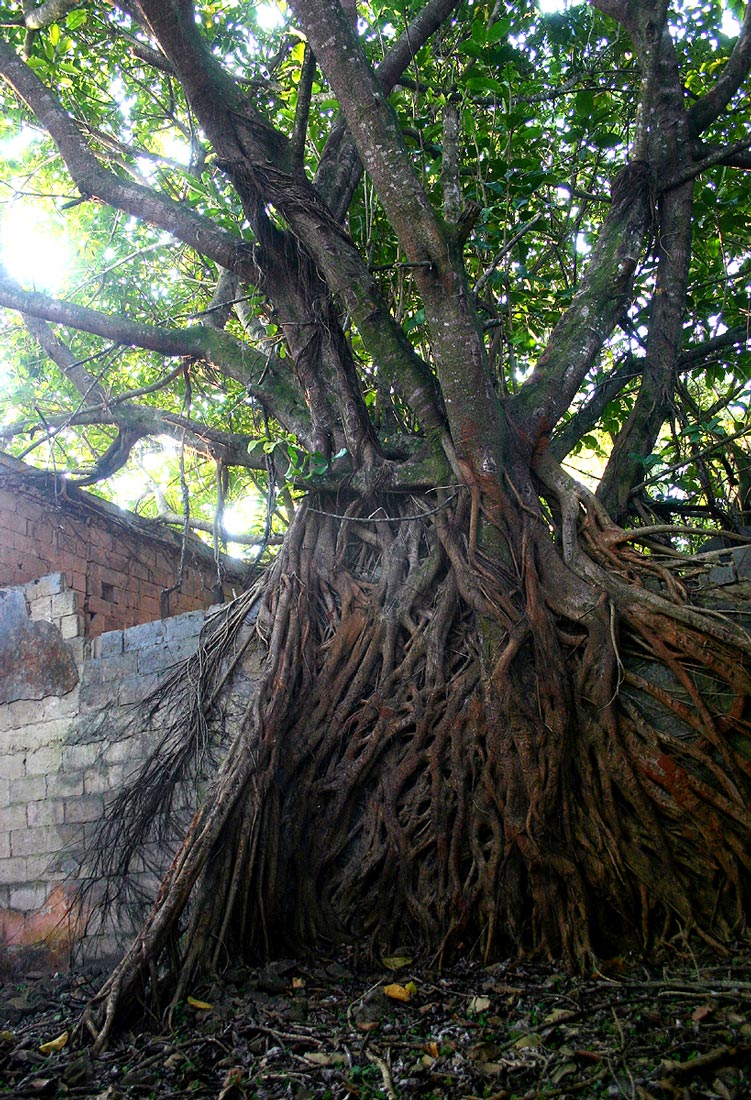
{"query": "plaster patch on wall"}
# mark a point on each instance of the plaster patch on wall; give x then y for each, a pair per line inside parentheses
(35, 661)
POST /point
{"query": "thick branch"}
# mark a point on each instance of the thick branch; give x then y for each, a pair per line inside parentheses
(711, 105)
(88, 387)
(734, 156)
(266, 378)
(579, 336)
(96, 182)
(654, 402)
(586, 417)
(474, 416)
(51, 11)
(258, 161)
(340, 167)
(695, 356)
(135, 422)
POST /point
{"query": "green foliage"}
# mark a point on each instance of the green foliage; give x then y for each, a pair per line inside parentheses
(546, 106)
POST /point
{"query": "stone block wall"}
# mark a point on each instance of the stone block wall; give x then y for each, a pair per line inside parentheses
(62, 750)
(120, 565)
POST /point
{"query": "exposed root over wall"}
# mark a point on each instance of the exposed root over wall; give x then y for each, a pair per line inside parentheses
(455, 749)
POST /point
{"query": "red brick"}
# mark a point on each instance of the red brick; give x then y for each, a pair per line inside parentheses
(43, 533)
(32, 508)
(34, 567)
(15, 521)
(119, 562)
(97, 606)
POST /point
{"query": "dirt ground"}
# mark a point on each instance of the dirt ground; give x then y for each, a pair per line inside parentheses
(308, 1031)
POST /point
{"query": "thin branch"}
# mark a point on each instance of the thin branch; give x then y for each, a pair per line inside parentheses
(710, 449)
(585, 418)
(151, 57)
(121, 399)
(208, 528)
(501, 256)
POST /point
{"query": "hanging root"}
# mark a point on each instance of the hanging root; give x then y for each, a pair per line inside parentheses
(529, 751)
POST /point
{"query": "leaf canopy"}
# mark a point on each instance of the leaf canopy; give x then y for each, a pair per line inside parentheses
(120, 196)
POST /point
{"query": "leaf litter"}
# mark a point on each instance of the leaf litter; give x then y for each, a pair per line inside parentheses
(329, 1030)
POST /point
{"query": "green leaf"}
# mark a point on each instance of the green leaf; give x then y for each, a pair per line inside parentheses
(75, 19)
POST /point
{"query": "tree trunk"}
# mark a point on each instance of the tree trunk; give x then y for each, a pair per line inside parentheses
(451, 755)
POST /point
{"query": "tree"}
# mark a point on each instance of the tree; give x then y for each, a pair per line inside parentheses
(430, 252)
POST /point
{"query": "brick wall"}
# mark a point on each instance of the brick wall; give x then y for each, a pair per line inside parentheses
(119, 564)
(66, 749)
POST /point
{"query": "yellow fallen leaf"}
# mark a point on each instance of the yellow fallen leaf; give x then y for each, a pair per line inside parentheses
(478, 1005)
(203, 1005)
(528, 1042)
(485, 1051)
(557, 1015)
(411, 988)
(54, 1044)
(321, 1058)
(397, 992)
(431, 1049)
(7, 1036)
(396, 962)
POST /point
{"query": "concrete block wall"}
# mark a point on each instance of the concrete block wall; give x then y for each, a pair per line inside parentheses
(61, 758)
(119, 564)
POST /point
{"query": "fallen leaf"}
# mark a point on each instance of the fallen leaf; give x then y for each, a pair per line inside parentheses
(7, 1036)
(399, 992)
(298, 983)
(54, 1044)
(528, 1042)
(322, 1058)
(493, 1069)
(396, 962)
(484, 1052)
(431, 1049)
(204, 1006)
(701, 1012)
(478, 1005)
(368, 1025)
(562, 1071)
(557, 1015)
